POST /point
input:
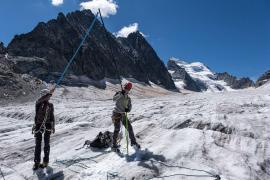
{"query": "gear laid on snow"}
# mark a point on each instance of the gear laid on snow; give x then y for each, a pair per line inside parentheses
(102, 140)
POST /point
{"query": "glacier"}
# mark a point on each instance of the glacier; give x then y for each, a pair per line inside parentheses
(183, 135)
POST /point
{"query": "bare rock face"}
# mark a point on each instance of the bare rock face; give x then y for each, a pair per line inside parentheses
(263, 79)
(14, 86)
(181, 74)
(3, 50)
(198, 77)
(148, 63)
(233, 82)
(56, 41)
(33, 66)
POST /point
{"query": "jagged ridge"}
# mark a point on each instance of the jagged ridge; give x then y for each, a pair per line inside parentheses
(57, 40)
(263, 79)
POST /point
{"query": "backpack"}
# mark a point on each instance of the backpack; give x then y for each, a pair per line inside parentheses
(102, 140)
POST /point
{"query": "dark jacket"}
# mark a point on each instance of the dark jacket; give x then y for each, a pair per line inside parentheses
(41, 107)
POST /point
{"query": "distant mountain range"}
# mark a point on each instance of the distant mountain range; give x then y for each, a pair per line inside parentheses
(198, 77)
(263, 79)
(44, 52)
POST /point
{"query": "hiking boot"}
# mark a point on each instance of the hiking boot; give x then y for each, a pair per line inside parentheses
(44, 165)
(36, 166)
(115, 149)
(136, 145)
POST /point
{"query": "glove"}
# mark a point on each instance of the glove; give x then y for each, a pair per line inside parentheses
(123, 92)
(53, 130)
(127, 110)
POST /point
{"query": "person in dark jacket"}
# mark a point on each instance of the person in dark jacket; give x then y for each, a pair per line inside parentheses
(122, 106)
(44, 124)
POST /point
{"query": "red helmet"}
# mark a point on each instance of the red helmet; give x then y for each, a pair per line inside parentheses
(128, 86)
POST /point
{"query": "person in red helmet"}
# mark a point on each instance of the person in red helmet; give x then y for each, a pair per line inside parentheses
(122, 105)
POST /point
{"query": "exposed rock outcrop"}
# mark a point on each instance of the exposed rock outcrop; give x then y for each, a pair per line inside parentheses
(180, 74)
(3, 49)
(57, 40)
(14, 85)
(233, 82)
(263, 79)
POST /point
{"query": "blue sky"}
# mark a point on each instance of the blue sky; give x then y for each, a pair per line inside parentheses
(226, 35)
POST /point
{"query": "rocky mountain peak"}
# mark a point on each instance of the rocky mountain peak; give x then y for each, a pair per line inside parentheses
(263, 79)
(56, 41)
(3, 49)
(234, 82)
(147, 59)
(204, 77)
(61, 16)
(181, 78)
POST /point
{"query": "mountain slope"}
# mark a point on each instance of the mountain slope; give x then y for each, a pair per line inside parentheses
(198, 75)
(16, 86)
(150, 64)
(263, 79)
(181, 78)
(57, 40)
(203, 76)
(2, 48)
(233, 82)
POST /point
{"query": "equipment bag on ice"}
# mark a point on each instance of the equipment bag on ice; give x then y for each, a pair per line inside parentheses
(102, 140)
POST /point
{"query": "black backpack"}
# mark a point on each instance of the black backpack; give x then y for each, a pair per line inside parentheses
(102, 140)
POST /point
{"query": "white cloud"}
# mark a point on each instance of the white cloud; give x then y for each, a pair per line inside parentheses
(57, 2)
(107, 7)
(126, 30)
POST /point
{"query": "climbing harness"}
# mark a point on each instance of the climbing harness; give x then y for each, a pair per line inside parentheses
(43, 126)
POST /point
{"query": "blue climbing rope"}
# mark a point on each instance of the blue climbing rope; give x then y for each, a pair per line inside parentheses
(110, 48)
(76, 52)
